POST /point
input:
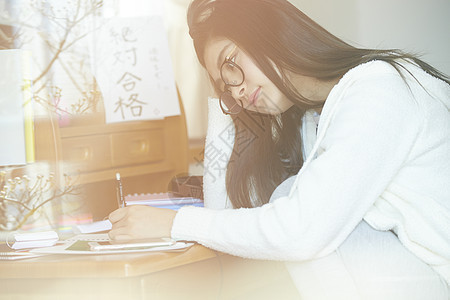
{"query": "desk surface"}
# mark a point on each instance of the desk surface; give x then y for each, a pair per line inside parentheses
(104, 265)
(197, 273)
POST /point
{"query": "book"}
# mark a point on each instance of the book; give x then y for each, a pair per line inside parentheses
(28, 108)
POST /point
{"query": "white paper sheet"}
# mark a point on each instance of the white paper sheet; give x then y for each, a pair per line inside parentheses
(131, 63)
(12, 130)
(94, 227)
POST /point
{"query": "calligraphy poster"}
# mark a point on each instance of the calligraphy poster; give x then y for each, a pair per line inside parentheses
(131, 64)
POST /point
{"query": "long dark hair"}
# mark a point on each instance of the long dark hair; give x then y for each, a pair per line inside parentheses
(279, 38)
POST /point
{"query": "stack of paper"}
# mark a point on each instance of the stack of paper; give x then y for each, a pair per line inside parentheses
(33, 240)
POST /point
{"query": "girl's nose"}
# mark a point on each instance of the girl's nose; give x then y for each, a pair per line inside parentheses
(238, 91)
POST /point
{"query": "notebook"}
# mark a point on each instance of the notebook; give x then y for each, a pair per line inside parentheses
(6, 253)
(162, 200)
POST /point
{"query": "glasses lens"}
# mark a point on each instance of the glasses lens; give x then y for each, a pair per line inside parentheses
(231, 74)
(229, 105)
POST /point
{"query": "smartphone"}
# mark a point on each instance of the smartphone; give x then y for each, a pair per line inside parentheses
(131, 245)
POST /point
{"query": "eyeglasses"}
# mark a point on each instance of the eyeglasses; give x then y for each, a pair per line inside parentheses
(232, 75)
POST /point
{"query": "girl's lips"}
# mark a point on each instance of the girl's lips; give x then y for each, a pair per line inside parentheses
(254, 96)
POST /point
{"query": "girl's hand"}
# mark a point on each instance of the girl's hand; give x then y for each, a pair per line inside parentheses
(141, 222)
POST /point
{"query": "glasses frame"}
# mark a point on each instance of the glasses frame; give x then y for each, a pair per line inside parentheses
(236, 107)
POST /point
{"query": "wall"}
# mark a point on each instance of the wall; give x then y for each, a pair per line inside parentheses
(191, 78)
(414, 25)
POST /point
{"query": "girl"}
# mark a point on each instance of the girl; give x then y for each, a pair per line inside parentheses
(349, 136)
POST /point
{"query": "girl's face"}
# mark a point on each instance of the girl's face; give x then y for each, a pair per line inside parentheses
(256, 92)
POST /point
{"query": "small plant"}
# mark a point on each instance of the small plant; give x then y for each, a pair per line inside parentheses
(22, 197)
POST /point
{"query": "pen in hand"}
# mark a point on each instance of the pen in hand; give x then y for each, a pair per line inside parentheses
(120, 199)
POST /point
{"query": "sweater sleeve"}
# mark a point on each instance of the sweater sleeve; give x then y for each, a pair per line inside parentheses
(366, 143)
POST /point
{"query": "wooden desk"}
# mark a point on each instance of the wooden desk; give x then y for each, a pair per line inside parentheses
(198, 273)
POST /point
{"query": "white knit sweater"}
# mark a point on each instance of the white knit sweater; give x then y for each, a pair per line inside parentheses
(382, 154)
